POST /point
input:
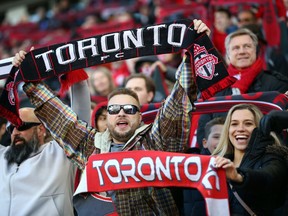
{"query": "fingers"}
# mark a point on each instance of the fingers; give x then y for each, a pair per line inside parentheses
(201, 27)
(223, 162)
(18, 59)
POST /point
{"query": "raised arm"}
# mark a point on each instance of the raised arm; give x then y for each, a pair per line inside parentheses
(171, 127)
(75, 136)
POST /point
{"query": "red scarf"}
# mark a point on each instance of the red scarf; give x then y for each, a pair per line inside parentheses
(246, 76)
(138, 169)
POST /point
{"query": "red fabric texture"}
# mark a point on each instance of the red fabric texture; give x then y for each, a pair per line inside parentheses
(99, 180)
(71, 78)
(218, 39)
(247, 75)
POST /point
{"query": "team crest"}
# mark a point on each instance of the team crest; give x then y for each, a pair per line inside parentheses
(204, 62)
(10, 89)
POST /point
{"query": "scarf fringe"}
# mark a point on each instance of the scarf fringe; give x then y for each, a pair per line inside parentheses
(13, 118)
(71, 78)
(219, 86)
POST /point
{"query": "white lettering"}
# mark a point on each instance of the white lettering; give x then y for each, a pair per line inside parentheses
(129, 173)
(211, 172)
(129, 36)
(160, 168)
(119, 55)
(97, 164)
(113, 163)
(104, 44)
(46, 60)
(197, 162)
(104, 57)
(171, 34)
(82, 48)
(156, 32)
(70, 52)
(149, 162)
(176, 161)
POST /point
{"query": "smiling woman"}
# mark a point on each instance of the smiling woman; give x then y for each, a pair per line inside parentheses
(255, 164)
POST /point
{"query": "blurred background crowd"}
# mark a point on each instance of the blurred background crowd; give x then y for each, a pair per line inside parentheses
(40, 23)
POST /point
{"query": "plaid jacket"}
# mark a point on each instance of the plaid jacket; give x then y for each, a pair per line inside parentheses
(169, 132)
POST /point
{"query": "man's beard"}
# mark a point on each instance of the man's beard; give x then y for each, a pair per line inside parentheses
(123, 137)
(19, 153)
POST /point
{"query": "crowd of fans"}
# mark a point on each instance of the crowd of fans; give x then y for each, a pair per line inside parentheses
(68, 20)
(252, 38)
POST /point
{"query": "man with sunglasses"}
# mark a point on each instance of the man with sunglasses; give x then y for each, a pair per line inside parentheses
(36, 176)
(125, 131)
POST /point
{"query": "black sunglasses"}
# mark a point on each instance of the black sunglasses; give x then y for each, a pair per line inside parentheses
(25, 126)
(127, 108)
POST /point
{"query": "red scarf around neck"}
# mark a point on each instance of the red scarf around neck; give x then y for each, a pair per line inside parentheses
(246, 76)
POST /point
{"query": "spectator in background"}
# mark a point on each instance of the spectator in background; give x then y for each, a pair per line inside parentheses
(41, 18)
(159, 71)
(101, 83)
(90, 21)
(168, 64)
(143, 86)
(213, 131)
(99, 116)
(274, 58)
(255, 164)
(247, 67)
(193, 202)
(145, 14)
(221, 28)
(246, 17)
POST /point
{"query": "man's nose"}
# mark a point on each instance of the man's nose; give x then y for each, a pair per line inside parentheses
(121, 112)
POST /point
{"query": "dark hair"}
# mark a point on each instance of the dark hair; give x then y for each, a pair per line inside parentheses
(211, 123)
(253, 15)
(124, 91)
(149, 82)
(99, 113)
(224, 10)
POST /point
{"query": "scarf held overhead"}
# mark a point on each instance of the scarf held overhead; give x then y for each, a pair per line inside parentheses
(56, 60)
(136, 169)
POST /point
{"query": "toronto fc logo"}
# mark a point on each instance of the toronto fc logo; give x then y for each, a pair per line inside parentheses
(9, 89)
(204, 62)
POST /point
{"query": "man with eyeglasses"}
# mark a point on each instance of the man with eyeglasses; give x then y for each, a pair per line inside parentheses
(125, 131)
(36, 176)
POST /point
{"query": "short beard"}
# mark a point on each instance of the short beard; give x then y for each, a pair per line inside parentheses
(121, 137)
(18, 153)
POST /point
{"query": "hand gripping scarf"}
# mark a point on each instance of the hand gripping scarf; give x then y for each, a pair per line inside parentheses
(56, 60)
